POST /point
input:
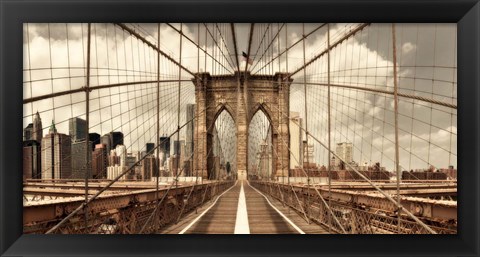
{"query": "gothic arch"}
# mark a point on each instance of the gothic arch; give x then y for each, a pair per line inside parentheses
(260, 110)
(260, 107)
(218, 110)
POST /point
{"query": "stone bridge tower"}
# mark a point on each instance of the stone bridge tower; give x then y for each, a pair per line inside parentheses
(241, 96)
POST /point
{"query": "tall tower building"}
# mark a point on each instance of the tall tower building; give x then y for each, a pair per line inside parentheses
(95, 139)
(165, 149)
(113, 158)
(31, 160)
(56, 155)
(121, 152)
(28, 132)
(150, 148)
(81, 163)
(345, 151)
(99, 161)
(37, 133)
(178, 147)
(107, 141)
(296, 142)
(77, 129)
(116, 138)
(81, 155)
(308, 157)
(147, 169)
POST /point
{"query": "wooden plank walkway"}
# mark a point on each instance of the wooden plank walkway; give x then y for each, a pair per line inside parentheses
(253, 214)
(262, 218)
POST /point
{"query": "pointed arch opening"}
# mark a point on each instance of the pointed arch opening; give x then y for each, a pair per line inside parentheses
(261, 153)
(222, 156)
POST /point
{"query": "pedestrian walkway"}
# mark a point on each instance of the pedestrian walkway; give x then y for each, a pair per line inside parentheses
(242, 209)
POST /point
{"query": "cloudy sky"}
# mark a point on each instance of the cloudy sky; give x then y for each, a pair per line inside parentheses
(55, 61)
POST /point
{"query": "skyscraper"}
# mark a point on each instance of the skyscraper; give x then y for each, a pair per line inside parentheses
(94, 138)
(37, 128)
(150, 147)
(345, 151)
(308, 153)
(113, 158)
(31, 160)
(121, 152)
(77, 129)
(99, 161)
(148, 168)
(178, 146)
(296, 142)
(80, 163)
(165, 149)
(28, 132)
(107, 141)
(56, 155)
(116, 138)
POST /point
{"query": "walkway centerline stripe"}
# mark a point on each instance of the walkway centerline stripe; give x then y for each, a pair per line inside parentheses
(205, 211)
(241, 224)
(279, 212)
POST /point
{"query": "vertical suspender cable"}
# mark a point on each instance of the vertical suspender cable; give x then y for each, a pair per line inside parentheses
(329, 128)
(306, 116)
(395, 95)
(286, 70)
(157, 160)
(87, 114)
(178, 109)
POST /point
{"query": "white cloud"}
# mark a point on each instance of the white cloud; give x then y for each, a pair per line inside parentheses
(408, 47)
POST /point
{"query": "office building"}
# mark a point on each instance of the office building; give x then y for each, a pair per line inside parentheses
(150, 148)
(37, 128)
(77, 129)
(174, 165)
(121, 152)
(107, 141)
(148, 168)
(164, 150)
(308, 157)
(56, 155)
(95, 139)
(115, 171)
(116, 138)
(131, 159)
(99, 162)
(113, 159)
(81, 159)
(28, 132)
(31, 160)
(178, 146)
(344, 150)
(296, 141)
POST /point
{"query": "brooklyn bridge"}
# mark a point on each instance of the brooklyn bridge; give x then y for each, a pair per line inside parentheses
(227, 128)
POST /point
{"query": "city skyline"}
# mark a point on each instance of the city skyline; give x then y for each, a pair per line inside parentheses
(78, 142)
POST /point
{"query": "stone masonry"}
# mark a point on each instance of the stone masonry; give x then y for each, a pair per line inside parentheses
(241, 96)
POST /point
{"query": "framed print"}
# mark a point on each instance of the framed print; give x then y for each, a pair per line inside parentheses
(263, 129)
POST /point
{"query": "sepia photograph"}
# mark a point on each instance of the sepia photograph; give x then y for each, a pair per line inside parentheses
(239, 128)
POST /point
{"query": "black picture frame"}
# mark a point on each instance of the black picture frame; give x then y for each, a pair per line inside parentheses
(464, 12)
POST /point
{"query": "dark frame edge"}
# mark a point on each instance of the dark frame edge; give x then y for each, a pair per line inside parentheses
(470, 125)
(12, 241)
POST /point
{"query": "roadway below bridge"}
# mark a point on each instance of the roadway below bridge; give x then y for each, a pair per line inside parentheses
(243, 209)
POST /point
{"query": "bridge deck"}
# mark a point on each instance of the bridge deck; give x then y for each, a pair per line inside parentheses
(243, 211)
